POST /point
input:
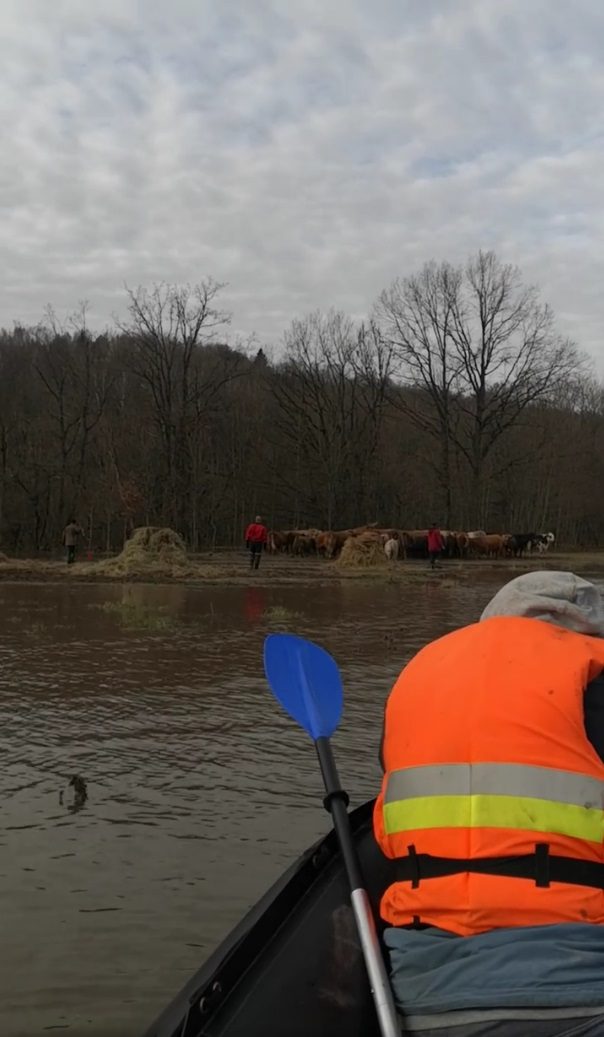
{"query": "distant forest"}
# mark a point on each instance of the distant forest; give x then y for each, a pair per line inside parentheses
(456, 401)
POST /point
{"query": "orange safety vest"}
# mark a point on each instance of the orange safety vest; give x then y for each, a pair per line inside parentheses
(493, 797)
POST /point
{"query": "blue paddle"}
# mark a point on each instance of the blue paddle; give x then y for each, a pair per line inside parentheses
(306, 681)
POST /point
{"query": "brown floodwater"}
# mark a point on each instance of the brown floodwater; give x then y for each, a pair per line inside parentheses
(200, 791)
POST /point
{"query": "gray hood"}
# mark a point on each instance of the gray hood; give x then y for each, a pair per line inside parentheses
(558, 597)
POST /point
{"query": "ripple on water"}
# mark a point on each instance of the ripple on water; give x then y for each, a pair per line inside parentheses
(199, 789)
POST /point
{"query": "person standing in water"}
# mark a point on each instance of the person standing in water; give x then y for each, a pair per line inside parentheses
(436, 544)
(256, 537)
(71, 534)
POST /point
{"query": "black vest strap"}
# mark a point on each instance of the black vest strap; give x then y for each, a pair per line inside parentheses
(540, 866)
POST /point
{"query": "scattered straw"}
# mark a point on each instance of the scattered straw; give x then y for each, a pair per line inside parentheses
(134, 616)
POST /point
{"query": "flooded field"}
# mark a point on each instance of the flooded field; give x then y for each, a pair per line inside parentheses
(199, 789)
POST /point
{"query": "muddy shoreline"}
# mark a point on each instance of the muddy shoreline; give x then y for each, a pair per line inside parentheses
(230, 568)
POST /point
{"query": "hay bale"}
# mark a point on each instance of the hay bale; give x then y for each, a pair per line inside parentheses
(154, 544)
(362, 552)
(150, 549)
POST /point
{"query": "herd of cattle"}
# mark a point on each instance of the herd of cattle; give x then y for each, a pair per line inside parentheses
(403, 543)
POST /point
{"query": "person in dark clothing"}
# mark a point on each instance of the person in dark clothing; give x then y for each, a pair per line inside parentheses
(256, 538)
(71, 533)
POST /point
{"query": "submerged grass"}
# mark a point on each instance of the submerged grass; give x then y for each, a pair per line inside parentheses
(37, 628)
(134, 616)
(280, 614)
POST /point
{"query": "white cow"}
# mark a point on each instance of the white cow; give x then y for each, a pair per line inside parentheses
(391, 548)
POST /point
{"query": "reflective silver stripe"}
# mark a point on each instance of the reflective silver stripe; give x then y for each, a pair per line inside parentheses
(495, 779)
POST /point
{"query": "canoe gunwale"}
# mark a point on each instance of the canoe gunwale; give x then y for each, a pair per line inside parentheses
(208, 991)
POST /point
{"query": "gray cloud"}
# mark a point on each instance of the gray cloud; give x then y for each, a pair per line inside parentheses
(304, 151)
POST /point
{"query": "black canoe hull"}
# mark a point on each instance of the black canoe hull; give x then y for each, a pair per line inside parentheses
(293, 965)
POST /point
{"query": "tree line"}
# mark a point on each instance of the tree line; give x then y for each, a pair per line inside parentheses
(456, 401)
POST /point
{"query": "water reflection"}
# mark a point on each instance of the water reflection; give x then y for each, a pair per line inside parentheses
(198, 789)
(254, 604)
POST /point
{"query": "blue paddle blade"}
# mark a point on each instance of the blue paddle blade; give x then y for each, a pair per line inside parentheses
(306, 681)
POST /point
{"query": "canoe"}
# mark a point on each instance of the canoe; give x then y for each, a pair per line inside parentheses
(293, 965)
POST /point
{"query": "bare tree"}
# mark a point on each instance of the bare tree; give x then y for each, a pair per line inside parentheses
(417, 317)
(72, 369)
(483, 348)
(10, 370)
(511, 357)
(460, 396)
(168, 326)
(313, 393)
(373, 362)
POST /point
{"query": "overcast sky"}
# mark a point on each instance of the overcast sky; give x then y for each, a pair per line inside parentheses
(304, 151)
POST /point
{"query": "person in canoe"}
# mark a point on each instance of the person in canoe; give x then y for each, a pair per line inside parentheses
(492, 805)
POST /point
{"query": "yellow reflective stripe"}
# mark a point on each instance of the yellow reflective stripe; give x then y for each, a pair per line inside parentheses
(536, 815)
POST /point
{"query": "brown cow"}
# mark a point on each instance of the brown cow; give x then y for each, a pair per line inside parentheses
(325, 544)
(304, 544)
(289, 536)
(277, 541)
(330, 543)
(494, 545)
(488, 546)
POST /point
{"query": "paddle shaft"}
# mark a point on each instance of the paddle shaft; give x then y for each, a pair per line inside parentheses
(336, 801)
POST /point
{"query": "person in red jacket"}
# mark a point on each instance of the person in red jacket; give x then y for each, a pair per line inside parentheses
(436, 544)
(256, 537)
